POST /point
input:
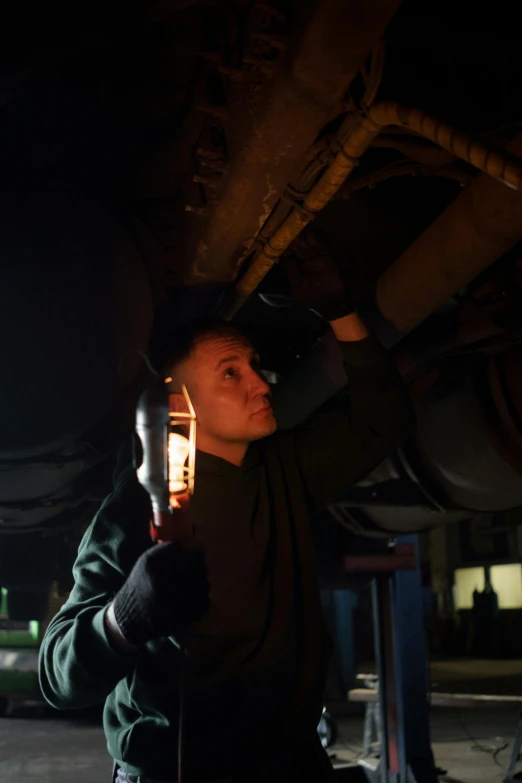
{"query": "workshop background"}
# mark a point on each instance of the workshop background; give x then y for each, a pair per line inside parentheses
(157, 163)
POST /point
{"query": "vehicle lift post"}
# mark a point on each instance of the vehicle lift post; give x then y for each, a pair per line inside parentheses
(401, 661)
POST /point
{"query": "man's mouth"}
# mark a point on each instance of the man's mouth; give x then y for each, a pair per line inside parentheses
(265, 410)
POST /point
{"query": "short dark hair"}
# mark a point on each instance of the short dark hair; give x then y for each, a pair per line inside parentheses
(187, 337)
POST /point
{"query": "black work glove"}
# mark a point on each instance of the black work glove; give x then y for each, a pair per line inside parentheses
(166, 590)
(314, 278)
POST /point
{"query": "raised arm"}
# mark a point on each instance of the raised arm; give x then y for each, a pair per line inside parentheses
(353, 433)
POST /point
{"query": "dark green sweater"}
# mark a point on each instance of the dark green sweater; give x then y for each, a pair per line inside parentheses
(256, 664)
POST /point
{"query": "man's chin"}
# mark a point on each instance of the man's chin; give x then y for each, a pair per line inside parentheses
(266, 428)
(272, 426)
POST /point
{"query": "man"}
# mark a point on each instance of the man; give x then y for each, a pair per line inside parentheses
(256, 652)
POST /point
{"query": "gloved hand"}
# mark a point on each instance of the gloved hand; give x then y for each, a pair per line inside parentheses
(315, 281)
(166, 590)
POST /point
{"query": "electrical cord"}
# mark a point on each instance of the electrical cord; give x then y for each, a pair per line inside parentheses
(478, 746)
(494, 750)
(181, 715)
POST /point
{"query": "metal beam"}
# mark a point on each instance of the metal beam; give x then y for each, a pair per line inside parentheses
(497, 162)
(276, 125)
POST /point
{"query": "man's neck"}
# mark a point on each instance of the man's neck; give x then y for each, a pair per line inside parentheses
(230, 452)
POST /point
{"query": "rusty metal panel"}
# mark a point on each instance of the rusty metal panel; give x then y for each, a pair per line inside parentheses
(277, 123)
(482, 224)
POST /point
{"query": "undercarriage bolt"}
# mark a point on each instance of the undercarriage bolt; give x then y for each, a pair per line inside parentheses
(218, 166)
(235, 74)
(209, 154)
(265, 66)
(210, 182)
(276, 41)
(221, 112)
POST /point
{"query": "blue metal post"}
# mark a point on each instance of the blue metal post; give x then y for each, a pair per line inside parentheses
(345, 601)
(412, 674)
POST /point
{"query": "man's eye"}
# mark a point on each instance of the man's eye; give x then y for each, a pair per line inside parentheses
(230, 373)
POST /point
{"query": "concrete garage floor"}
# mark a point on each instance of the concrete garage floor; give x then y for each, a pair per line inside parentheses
(45, 749)
(452, 743)
(463, 740)
(49, 750)
(57, 751)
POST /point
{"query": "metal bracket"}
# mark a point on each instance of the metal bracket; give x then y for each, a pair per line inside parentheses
(295, 199)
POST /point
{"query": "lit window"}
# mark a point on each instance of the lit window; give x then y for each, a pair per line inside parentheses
(507, 583)
(466, 581)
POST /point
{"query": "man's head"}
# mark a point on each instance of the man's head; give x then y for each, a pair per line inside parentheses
(221, 371)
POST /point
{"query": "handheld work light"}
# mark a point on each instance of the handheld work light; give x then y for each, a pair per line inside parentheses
(168, 443)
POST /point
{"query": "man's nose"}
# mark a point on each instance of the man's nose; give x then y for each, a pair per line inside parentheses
(259, 386)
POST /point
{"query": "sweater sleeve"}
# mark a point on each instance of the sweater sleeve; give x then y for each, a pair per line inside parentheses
(343, 441)
(77, 665)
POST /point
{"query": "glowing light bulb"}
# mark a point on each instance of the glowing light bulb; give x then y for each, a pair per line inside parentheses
(178, 451)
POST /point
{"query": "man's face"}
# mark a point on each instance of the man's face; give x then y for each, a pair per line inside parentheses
(230, 396)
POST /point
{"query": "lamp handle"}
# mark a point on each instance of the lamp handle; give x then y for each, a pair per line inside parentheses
(172, 525)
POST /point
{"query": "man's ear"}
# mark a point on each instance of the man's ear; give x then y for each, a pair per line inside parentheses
(178, 403)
